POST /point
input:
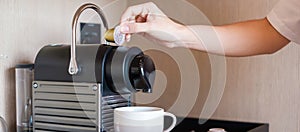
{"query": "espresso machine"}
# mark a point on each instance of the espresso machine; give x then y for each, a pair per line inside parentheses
(77, 87)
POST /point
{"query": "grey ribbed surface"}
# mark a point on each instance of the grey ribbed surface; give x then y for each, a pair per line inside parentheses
(73, 107)
(60, 106)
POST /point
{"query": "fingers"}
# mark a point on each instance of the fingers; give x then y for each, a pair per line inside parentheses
(141, 19)
(141, 10)
(138, 19)
(129, 28)
(127, 37)
(134, 11)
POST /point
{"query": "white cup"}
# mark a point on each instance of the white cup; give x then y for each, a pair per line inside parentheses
(141, 119)
(216, 130)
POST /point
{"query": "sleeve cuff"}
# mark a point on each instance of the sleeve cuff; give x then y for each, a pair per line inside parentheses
(282, 28)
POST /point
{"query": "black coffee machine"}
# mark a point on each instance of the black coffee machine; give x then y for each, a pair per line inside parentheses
(76, 88)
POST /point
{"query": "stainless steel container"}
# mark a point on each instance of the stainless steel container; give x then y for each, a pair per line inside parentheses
(24, 78)
(3, 125)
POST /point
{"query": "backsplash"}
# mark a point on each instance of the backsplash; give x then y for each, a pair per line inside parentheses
(27, 26)
(259, 89)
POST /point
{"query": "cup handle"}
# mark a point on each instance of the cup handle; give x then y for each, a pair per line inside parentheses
(173, 123)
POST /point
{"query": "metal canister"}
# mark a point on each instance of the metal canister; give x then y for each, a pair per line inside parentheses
(24, 78)
(3, 125)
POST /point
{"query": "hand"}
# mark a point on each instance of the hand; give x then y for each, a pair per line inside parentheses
(238, 39)
(149, 21)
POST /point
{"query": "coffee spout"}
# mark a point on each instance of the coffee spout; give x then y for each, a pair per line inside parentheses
(142, 73)
(147, 90)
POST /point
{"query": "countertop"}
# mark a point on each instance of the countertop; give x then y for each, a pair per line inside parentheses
(192, 125)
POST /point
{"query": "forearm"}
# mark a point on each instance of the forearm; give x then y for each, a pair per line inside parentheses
(239, 39)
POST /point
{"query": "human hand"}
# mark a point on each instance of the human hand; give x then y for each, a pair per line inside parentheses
(237, 39)
(149, 21)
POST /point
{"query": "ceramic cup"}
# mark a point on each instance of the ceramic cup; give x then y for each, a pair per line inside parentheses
(216, 130)
(141, 119)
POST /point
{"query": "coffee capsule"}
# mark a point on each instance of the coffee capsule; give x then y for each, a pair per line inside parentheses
(114, 35)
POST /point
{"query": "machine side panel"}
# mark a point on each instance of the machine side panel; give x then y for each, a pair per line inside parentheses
(65, 106)
(52, 63)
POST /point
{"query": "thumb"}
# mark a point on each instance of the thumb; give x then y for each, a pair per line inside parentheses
(134, 27)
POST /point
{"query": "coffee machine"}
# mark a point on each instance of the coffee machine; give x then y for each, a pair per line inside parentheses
(77, 87)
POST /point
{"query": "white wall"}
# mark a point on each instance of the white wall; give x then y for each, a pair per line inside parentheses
(258, 89)
(26, 26)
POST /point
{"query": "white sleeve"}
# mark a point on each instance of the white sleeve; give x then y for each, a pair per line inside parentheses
(285, 18)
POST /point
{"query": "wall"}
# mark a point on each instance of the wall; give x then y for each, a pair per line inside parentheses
(260, 89)
(26, 26)
(183, 78)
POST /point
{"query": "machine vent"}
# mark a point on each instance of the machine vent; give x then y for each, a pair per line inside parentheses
(73, 107)
(108, 104)
(65, 107)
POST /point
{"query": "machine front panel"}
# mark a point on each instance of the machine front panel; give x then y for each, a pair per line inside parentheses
(74, 107)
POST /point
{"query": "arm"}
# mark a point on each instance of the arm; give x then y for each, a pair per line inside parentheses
(239, 39)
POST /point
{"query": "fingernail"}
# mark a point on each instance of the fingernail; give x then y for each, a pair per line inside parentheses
(128, 37)
(124, 29)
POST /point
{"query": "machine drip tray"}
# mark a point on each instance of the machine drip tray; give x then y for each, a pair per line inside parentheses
(192, 125)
